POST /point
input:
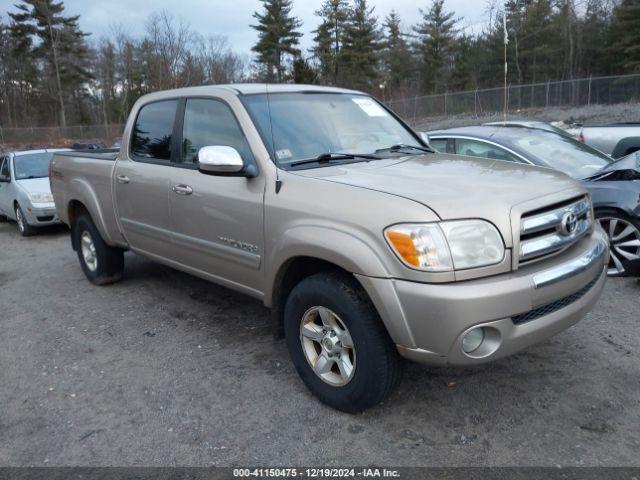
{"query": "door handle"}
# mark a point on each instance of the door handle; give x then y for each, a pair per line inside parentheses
(123, 179)
(182, 189)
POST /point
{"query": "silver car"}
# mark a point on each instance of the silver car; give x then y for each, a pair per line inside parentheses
(25, 194)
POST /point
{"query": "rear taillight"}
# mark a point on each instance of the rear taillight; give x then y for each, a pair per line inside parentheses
(581, 138)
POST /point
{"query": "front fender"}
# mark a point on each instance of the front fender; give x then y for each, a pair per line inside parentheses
(338, 247)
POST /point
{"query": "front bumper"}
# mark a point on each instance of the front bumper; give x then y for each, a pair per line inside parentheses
(428, 321)
(41, 215)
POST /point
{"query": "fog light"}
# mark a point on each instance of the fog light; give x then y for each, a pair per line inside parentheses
(472, 340)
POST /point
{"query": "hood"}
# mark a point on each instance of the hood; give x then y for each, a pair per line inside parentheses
(35, 185)
(627, 168)
(453, 186)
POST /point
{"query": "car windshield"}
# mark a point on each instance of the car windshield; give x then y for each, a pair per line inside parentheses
(302, 126)
(560, 152)
(32, 165)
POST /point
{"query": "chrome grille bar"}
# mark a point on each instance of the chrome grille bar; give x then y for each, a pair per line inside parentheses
(548, 220)
(548, 225)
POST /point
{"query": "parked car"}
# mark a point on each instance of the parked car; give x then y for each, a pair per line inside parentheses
(616, 140)
(531, 124)
(365, 244)
(25, 194)
(614, 186)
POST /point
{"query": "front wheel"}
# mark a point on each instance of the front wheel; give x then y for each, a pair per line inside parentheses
(624, 242)
(24, 228)
(101, 263)
(338, 344)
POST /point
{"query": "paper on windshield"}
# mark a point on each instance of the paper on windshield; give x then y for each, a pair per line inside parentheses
(370, 107)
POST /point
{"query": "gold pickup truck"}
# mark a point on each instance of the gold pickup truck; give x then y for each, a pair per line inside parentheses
(367, 246)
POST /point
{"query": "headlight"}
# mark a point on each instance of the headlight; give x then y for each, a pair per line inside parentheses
(41, 197)
(446, 246)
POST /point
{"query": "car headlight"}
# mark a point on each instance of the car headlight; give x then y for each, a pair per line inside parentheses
(446, 246)
(41, 197)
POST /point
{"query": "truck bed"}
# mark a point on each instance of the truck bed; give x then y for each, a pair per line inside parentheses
(86, 177)
(108, 154)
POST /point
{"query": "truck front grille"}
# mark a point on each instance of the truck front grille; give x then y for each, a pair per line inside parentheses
(550, 230)
(549, 308)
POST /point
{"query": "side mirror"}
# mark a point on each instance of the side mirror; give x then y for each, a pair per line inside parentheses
(424, 136)
(223, 160)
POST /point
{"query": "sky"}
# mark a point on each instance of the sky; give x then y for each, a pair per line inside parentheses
(232, 18)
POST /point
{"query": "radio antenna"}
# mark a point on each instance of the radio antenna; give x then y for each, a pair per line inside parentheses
(273, 142)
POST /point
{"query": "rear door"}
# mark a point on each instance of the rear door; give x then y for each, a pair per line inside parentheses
(217, 220)
(142, 179)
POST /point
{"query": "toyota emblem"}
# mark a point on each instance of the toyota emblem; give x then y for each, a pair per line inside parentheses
(568, 224)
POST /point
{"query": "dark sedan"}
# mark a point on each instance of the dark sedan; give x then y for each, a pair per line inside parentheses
(614, 186)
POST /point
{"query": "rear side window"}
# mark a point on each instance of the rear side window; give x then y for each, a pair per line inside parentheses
(153, 131)
(210, 123)
(474, 148)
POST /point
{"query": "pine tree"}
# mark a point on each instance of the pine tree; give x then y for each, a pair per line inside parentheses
(360, 51)
(303, 72)
(435, 46)
(626, 34)
(278, 36)
(397, 60)
(329, 37)
(61, 45)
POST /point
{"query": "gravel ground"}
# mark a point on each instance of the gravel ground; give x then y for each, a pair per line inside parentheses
(166, 369)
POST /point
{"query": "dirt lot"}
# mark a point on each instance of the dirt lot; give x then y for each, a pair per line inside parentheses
(166, 369)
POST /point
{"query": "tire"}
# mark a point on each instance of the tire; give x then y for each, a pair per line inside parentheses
(101, 263)
(623, 233)
(24, 228)
(377, 366)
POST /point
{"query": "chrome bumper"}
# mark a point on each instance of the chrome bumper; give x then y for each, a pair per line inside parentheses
(572, 268)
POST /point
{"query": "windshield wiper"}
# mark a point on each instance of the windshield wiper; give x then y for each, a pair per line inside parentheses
(404, 146)
(330, 157)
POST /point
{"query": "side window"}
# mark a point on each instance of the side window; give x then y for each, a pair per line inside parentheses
(475, 148)
(153, 130)
(4, 168)
(208, 123)
(440, 144)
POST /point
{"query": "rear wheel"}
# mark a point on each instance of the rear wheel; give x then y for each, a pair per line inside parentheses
(101, 263)
(338, 343)
(624, 242)
(24, 228)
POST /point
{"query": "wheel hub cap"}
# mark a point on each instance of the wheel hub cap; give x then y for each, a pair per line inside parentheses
(327, 346)
(88, 251)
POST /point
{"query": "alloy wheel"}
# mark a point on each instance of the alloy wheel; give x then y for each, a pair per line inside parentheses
(624, 243)
(328, 346)
(88, 251)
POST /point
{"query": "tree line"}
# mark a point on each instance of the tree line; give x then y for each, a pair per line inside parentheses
(53, 73)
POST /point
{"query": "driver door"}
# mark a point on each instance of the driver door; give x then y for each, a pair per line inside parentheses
(217, 219)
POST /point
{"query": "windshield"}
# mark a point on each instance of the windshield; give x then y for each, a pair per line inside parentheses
(32, 165)
(561, 152)
(300, 126)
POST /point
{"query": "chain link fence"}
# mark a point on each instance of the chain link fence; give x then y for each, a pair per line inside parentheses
(481, 103)
(582, 92)
(34, 137)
